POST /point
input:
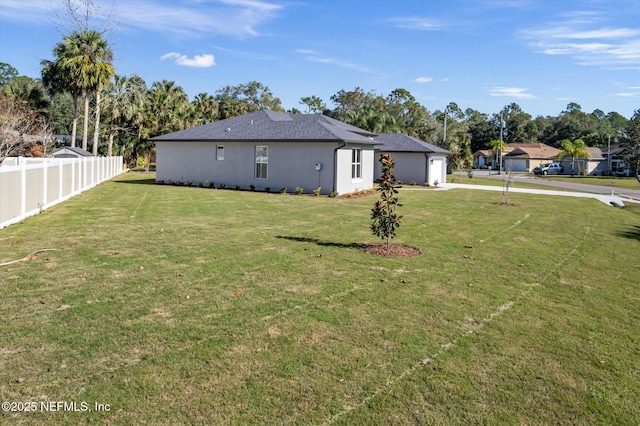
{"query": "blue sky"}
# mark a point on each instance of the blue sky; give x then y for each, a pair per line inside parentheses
(481, 54)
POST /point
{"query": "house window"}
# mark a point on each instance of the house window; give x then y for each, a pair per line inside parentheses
(262, 157)
(356, 163)
(220, 152)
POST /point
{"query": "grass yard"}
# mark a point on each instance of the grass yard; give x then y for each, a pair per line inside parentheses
(178, 305)
(619, 182)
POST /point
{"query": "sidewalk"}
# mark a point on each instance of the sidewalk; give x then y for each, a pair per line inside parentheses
(612, 200)
(576, 186)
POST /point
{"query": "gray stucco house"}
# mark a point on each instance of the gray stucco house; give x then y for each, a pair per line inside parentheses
(416, 161)
(270, 149)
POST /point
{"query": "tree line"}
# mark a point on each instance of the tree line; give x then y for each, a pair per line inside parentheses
(80, 95)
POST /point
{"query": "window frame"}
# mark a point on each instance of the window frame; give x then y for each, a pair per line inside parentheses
(356, 164)
(261, 162)
(218, 149)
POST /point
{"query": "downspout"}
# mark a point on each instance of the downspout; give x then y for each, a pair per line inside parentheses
(335, 166)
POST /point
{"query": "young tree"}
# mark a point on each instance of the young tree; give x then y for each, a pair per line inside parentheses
(385, 219)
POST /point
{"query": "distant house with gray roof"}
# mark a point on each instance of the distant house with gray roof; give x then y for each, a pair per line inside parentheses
(416, 161)
(268, 149)
(70, 152)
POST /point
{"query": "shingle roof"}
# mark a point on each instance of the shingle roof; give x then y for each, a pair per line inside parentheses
(273, 126)
(75, 149)
(396, 142)
(532, 150)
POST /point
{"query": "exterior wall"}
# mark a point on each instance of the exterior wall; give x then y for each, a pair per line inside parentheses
(591, 167)
(344, 183)
(290, 165)
(437, 169)
(416, 166)
(410, 166)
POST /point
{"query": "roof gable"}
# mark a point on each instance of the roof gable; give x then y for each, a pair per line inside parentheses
(273, 126)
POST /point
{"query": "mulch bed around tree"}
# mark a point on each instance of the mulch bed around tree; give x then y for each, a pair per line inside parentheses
(395, 250)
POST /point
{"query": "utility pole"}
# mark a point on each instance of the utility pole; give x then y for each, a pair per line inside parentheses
(609, 154)
(444, 138)
(500, 148)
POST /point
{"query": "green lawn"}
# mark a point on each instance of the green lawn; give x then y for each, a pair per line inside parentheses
(180, 305)
(619, 182)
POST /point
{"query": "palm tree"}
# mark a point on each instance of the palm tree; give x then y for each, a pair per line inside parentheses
(57, 81)
(87, 58)
(498, 146)
(124, 104)
(576, 149)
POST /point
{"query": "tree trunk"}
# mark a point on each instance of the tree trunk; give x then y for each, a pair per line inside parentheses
(110, 144)
(96, 128)
(85, 125)
(74, 123)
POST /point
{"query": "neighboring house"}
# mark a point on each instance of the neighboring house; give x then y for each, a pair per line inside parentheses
(415, 160)
(613, 164)
(483, 158)
(268, 149)
(70, 152)
(524, 157)
(593, 165)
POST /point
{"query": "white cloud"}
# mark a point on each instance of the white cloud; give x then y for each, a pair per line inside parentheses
(512, 92)
(423, 80)
(417, 23)
(236, 18)
(198, 61)
(578, 38)
(314, 56)
(193, 19)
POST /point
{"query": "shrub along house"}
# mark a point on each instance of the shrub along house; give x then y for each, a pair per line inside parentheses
(416, 161)
(268, 149)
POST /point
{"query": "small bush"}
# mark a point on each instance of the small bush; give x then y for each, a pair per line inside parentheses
(189, 183)
(470, 174)
(413, 183)
(435, 183)
(252, 187)
(427, 184)
(200, 184)
(299, 190)
(267, 189)
(236, 187)
(212, 184)
(283, 190)
(316, 191)
(333, 194)
(222, 186)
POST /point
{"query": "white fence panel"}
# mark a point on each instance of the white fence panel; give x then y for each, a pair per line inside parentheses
(30, 185)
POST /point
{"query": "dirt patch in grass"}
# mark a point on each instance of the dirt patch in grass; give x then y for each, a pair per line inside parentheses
(394, 250)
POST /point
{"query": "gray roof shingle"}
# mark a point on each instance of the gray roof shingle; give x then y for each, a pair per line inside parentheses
(273, 126)
(396, 142)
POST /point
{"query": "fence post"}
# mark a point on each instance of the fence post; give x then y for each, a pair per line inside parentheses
(23, 187)
(45, 184)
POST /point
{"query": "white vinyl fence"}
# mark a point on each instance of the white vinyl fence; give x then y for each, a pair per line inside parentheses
(30, 185)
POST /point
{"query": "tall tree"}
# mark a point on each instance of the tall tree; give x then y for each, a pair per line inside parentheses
(58, 81)
(631, 145)
(123, 103)
(254, 95)
(314, 104)
(87, 58)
